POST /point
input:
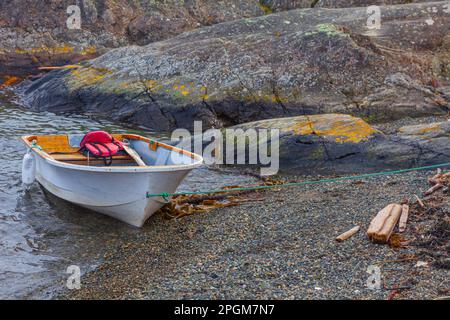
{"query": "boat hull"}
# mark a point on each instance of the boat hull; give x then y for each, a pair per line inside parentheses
(121, 195)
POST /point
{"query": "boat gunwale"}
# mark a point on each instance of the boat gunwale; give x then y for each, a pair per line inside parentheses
(198, 160)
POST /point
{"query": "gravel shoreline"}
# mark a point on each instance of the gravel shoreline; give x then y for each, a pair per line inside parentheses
(282, 247)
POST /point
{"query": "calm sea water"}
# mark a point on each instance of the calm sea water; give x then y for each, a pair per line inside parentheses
(41, 235)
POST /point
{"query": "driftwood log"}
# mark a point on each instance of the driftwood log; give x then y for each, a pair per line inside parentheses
(420, 202)
(438, 181)
(382, 226)
(433, 189)
(347, 234)
(403, 218)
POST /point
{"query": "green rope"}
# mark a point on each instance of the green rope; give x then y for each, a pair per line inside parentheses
(34, 145)
(166, 195)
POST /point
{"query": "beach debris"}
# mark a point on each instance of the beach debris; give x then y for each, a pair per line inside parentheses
(392, 294)
(403, 218)
(397, 241)
(431, 233)
(443, 298)
(420, 202)
(185, 205)
(347, 234)
(396, 290)
(438, 181)
(434, 179)
(403, 258)
(382, 226)
(433, 189)
(181, 206)
(421, 264)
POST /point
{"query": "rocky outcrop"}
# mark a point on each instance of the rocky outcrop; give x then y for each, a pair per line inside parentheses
(271, 6)
(34, 33)
(283, 5)
(360, 3)
(342, 144)
(285, 64)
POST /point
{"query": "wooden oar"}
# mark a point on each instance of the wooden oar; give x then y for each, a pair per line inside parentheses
(59, 67)
(134, 155)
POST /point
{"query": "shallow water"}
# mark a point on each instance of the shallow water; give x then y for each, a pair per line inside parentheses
(41, 235)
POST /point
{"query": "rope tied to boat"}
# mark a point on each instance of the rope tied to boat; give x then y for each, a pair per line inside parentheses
(34, 145)
(166, 195)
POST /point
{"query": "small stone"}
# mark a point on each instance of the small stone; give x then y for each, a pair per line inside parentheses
(421, 264)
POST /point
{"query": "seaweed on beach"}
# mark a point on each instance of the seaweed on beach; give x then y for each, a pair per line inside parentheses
(184, 205)
(432, 231)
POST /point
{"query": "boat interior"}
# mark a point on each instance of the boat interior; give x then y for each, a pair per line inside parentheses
(66, 148)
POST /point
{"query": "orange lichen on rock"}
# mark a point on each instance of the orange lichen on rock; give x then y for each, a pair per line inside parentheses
(9, 81)
(343, 128)
(431, 128)
(425, 130)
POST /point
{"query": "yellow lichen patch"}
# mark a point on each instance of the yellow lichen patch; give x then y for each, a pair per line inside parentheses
(151, 84)
(89, 50)
(124, 84)
(188, 90)
(89, 75)
(63, 49)
(183, 89)
(274, 98)
(266, 9)
(342, 128)
(204, 93)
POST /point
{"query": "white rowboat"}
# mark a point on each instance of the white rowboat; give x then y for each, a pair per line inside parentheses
(119, 190)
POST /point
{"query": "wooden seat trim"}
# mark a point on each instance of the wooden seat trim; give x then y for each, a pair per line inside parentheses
(82, 157)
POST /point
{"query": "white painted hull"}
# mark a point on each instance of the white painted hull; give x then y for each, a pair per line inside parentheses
(118, 195)
(114, 191)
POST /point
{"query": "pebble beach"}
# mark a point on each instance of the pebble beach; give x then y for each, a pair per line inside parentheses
(282, 246)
